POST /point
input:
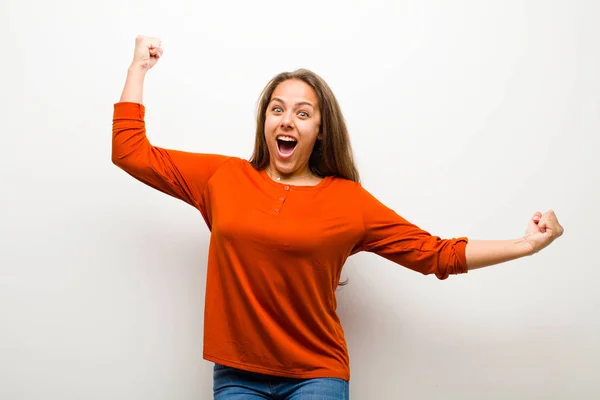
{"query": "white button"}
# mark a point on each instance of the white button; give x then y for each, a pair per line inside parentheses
(277, 210)
(282, 198)
(287, 188)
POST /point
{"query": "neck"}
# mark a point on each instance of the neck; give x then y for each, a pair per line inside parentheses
(278, 176)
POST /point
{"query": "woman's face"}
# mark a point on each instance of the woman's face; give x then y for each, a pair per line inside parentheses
(292, 125)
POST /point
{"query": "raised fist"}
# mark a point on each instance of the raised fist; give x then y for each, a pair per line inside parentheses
(147, 51)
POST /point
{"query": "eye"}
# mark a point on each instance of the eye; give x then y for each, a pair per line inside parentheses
(303, 114)
(276, 109)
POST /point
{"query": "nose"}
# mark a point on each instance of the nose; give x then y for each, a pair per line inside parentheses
(286, 121)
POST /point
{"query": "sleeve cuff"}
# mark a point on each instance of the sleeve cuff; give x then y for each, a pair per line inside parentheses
(461, 252)
(128, 110)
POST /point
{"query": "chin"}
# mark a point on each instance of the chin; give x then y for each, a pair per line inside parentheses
(284, 167)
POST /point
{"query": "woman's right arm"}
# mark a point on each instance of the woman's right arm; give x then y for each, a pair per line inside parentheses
(134, 85)
(145, 56)
(182, 175)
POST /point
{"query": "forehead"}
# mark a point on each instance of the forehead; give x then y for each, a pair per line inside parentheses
(294, 91)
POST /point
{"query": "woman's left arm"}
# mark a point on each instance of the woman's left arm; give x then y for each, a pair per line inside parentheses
(542, 230)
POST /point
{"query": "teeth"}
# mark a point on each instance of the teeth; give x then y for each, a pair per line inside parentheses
(286, 139)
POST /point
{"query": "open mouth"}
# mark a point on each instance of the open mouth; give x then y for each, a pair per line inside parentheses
(286, 145)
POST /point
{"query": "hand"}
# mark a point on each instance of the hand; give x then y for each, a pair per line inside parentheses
(542, 230)
(147, 51)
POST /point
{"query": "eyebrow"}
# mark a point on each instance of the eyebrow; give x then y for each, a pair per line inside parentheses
(303, 102)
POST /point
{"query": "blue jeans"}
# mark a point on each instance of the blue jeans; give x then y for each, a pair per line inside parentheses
(235, 384)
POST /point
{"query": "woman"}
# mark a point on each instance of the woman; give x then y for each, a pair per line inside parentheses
(282, 226)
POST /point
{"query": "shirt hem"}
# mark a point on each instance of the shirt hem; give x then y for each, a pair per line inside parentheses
(270, 371)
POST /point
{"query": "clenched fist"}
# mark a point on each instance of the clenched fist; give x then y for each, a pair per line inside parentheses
(543, 229)
(147, 51)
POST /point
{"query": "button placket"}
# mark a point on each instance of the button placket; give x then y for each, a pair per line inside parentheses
(282, 199)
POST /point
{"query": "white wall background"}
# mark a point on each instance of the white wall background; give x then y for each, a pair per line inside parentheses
(466, 117)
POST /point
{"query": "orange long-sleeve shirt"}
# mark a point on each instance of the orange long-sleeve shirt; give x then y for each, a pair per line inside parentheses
(276, 252)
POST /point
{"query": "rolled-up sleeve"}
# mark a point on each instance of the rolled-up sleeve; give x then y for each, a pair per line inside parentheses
(180, 174)
(389, 235)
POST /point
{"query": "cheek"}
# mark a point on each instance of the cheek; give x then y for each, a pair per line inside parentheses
(270, 125)
(311, 131)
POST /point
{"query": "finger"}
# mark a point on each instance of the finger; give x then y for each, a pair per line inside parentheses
(552, 217)
(154, 42)
(553, 225)
(532, 227)
(558, 228)
(549, 217)
(543, 224)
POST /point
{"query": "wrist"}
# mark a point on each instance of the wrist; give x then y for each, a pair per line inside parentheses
(526, 246)
(138, 68)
